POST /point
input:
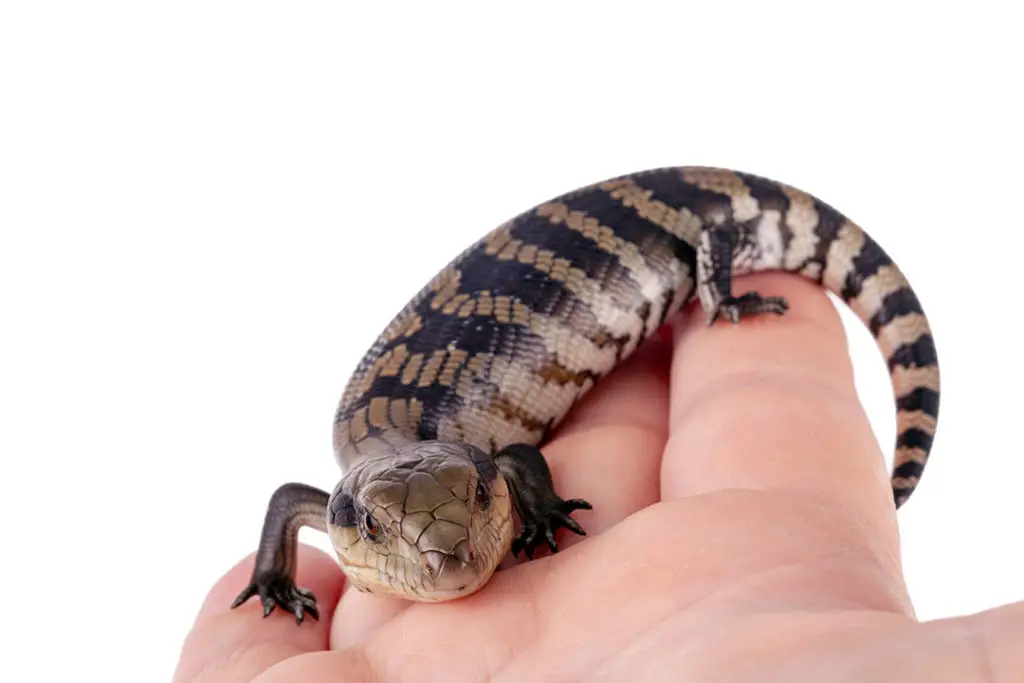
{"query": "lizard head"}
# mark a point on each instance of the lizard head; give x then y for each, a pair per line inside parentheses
(430, 521)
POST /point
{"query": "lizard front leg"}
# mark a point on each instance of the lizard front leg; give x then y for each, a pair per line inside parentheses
(273, 576)
(541, 511)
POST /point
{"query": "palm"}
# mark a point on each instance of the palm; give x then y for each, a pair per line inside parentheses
(742, 531)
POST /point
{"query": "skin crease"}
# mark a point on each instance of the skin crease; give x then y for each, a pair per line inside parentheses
(743, 531)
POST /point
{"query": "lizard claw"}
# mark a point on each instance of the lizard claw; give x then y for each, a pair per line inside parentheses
(541, 511)
(734, 308)
(276, 590)
(541, 523)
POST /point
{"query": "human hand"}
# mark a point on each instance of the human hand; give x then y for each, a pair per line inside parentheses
(743, 530)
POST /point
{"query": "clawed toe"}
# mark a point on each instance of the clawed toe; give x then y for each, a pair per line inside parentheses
(280, 591)
(541, 526)
(735, 308)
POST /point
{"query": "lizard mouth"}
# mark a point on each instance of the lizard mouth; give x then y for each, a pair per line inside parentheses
(450, 575)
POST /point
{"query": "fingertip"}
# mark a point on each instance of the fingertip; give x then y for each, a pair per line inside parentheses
(810, 324)
(770, 403)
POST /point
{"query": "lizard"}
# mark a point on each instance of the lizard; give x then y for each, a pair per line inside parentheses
(439, 430)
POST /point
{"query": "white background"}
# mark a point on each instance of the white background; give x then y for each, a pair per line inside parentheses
(209, 210)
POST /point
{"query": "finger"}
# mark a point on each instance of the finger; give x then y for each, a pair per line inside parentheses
(772, 480)
(608, 452)
(765, 415)
(237, 644)
(994, 638)
(770, 404)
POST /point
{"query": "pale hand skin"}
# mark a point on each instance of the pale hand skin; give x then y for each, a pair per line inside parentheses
(742, 530)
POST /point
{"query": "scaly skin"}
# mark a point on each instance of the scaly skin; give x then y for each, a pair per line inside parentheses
(438, 431)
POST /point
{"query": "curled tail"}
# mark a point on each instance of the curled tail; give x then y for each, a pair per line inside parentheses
(858, 270)
(782, 228)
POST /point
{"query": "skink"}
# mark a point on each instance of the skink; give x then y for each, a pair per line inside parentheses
(438, 430)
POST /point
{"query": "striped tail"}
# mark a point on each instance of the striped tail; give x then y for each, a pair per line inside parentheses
(857, 269)
(814, 240)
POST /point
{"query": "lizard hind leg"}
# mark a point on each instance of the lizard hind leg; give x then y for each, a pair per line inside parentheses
(733, 308)
(723, 249)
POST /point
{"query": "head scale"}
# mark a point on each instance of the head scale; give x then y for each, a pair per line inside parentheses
(429, 521)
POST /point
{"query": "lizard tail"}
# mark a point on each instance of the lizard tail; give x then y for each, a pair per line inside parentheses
(858, 270)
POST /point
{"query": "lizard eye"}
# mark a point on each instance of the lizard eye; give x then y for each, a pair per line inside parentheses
(370, 526)
(483, 496)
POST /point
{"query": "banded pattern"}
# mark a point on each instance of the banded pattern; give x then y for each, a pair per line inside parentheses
(438, 428)
(500, 345)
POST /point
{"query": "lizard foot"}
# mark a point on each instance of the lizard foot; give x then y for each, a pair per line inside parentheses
(278, 590)
(543, 520)
(541, 511)
(734, 308)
